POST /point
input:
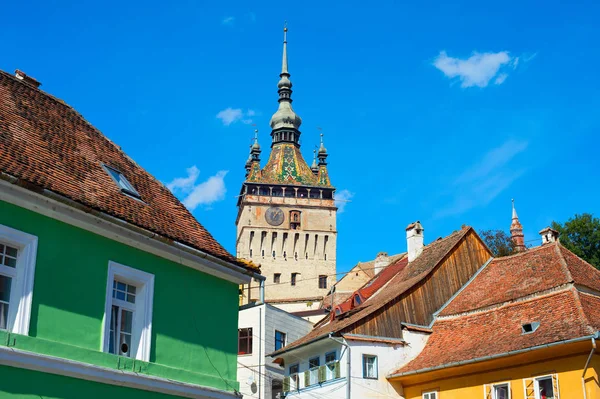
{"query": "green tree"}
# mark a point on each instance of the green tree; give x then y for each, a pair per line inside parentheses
(498, 242)
(581, 235)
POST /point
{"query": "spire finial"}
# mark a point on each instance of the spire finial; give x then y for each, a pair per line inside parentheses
(284, 62)
(516, 231)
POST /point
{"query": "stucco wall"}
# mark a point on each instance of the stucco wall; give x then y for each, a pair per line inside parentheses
(69, 298)
(569, 371)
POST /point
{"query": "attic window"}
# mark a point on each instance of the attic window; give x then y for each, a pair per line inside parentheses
(528, 328)
(122, 182)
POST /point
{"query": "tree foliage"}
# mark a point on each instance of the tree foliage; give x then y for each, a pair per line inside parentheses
(581, 235)
(498, 242)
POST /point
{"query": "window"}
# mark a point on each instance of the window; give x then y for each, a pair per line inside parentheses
(528, 328)
(331, 363)
(357, 299)
(501, 391)
(313, 370)
(128, 312)
(322, 281)
(430, 395)
(369, 366)
(277, 278)
(295, 220)
(293, 281)
(294, 378)
(544, 387)
(244, 341)
(279, 340)
(18, 251)
(122, 182)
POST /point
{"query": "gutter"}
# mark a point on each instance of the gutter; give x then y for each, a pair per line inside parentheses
(587, 363)
(490, 357)
(124, 224)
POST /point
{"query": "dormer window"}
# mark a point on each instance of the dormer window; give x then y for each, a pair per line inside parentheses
(528, 328)
(122, 182)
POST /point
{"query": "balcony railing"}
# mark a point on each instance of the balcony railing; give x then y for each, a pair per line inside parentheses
(312, 377)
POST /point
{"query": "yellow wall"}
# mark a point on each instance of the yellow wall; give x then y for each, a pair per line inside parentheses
(569, 370)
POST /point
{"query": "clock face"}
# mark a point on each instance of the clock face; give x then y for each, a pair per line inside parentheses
(274, 216)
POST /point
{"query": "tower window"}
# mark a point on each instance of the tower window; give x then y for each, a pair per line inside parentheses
(277, 278)
(294, 278)
(322, 281)
(295, 220)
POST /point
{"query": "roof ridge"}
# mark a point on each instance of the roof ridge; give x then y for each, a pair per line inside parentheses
(579, 306)
(563, 263)
(528, 250)
(527, 298)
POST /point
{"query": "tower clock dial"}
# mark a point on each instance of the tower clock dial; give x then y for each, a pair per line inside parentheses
(274, 216)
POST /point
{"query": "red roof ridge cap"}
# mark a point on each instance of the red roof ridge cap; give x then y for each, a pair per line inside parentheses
(563, 263)
(579, 307)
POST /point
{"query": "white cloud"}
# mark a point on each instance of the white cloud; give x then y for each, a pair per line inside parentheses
(228, 20)
(485, 180)
(477, 70)
(342, 197)
(233, 115)
(204, 193)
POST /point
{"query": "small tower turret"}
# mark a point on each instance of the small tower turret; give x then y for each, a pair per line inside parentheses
(516, 231)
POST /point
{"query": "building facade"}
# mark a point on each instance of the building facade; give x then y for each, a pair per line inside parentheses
(104, 274)
(286, 218)
(263, 329)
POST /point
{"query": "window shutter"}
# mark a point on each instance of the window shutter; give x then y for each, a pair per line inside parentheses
(529, 388)
(307, 378)
(555, 386)
(322, 374)
(487, 391)
(286, 384)
(337, 369)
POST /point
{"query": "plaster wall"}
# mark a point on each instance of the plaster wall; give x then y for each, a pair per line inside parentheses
(69, 299)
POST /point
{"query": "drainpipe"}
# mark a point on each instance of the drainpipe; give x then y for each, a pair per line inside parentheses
(261, 290)
(587, 363)
(348, 382)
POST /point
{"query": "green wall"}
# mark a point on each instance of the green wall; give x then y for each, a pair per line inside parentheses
(27, 384)
(194, 322)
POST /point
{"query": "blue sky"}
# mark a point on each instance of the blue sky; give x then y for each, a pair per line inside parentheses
(440, 113)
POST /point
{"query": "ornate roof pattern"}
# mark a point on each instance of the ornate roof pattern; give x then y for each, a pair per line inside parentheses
(287, 166)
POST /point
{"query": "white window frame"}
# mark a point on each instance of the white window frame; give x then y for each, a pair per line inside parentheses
(142, 319)
(375, 366)
(489, 390)
(536, 388)
(427, 395)
(21, 290)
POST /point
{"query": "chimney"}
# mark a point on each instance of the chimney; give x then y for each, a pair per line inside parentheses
(549, 235)
(414, 240)
(381, 262)
(27, 79)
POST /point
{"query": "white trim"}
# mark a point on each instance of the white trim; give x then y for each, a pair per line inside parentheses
(429, 394)
(54, 365)
(21, 294)
(115, 231)
(142, 320)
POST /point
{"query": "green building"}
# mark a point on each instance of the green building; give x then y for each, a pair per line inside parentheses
(109, 288)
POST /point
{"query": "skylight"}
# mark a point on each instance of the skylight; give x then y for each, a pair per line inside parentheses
(528, 328)
(122, 182)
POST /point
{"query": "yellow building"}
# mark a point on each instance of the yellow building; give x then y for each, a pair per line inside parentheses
(524, 328)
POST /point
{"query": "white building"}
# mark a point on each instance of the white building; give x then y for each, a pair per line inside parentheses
(263, 329)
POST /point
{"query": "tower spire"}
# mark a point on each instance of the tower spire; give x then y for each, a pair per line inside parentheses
(285, 122)
(314, 167)
(322, 153)
(516, 231)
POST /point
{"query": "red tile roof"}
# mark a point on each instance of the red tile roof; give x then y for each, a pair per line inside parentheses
(497, 331)
(407, 278)
(46, 143)
(485, 319)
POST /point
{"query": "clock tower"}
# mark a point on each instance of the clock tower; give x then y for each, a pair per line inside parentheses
(286, 218)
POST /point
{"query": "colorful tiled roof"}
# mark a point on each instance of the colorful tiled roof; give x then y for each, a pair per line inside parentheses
(486, 318)
(287, 166)
(46, 143)
(407, 278)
